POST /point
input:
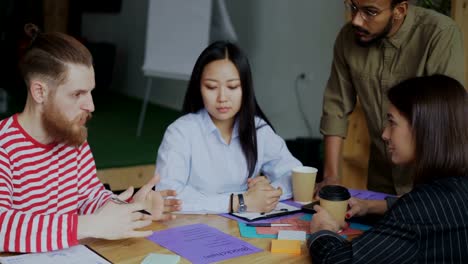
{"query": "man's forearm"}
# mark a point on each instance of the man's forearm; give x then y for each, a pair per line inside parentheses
(333, 147)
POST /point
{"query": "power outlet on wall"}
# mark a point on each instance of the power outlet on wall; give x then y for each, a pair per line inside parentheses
(303, 82)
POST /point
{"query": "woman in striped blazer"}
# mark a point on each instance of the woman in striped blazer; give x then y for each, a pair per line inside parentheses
(427, 130)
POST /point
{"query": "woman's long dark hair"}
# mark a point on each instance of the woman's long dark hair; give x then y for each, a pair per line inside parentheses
(436, 108)
(193, 101)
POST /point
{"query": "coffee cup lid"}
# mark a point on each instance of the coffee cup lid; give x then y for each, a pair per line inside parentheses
(334, 193)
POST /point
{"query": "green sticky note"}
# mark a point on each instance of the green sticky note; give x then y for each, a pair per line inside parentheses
(161, 258)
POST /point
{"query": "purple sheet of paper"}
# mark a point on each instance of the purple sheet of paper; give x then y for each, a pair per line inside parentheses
(368, 195)
(202, 244)
(269, 220)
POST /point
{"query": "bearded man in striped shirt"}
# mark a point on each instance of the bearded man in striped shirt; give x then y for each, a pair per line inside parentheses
(50, 196)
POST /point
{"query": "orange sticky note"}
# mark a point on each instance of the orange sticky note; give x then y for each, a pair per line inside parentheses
(286, 246)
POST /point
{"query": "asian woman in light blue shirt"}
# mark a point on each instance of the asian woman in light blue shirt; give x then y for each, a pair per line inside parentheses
(212, 155)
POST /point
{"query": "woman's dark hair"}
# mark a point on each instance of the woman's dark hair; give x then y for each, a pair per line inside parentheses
(193, 101)
(436, 108)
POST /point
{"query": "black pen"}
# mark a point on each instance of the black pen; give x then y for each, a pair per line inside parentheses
(116, 200)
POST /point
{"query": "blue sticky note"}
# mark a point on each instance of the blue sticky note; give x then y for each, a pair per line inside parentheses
(153, 258)
(251, 232)
(307, 217)
(359, 226)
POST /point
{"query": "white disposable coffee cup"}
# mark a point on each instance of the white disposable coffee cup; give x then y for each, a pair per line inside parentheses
(303, 183)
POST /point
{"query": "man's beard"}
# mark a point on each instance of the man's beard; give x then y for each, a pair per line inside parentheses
(62, 130)
(377, 38)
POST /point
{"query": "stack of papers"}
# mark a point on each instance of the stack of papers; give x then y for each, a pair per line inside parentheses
(286, 246)
(288, 242)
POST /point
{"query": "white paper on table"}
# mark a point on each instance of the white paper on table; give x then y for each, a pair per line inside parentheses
(75, 255)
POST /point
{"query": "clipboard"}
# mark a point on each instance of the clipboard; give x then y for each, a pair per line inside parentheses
(280, 210)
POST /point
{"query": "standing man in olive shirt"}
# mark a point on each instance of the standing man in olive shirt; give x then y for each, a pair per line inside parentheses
(386, 42)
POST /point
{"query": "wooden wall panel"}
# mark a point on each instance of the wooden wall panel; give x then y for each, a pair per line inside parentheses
(55, 15)
(356, 151)
(460, 15)
(121, 178)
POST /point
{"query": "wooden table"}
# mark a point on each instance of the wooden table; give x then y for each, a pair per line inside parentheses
(136, 249)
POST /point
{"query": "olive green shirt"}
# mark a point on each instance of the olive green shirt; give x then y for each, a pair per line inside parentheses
(426, 43)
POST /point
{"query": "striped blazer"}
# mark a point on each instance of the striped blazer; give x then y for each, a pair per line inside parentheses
(427, 225)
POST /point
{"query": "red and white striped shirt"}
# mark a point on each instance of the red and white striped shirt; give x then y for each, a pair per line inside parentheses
(43, 189)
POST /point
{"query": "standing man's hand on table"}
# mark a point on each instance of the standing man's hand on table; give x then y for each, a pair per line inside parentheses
(333, 146)
(326, 181)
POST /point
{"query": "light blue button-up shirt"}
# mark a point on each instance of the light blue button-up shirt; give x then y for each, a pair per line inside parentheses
(195, 160)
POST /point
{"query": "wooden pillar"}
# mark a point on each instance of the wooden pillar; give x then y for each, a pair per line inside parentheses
(460, 15)
(356, 151)
(55, 15)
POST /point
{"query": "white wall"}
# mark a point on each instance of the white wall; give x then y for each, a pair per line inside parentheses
(127, 31)
(282, 37)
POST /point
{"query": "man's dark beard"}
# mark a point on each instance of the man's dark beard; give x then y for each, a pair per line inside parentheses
(377, 38)
(62, 130)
